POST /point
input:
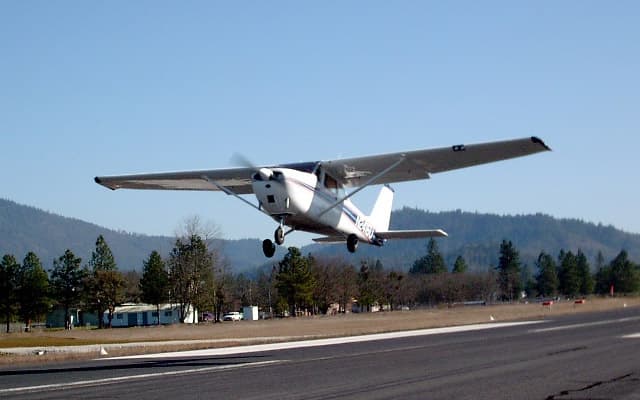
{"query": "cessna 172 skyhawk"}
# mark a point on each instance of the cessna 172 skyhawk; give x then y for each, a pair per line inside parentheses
(311, 196)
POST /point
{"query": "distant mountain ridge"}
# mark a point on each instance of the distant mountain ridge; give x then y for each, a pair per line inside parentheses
(25, 228)
(475, 236)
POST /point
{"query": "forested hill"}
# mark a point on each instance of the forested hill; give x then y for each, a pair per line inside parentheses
(24, 229)
(477, 237)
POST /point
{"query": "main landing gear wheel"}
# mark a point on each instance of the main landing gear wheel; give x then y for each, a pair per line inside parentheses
(268, 248)
(352, 243)
(279, 236)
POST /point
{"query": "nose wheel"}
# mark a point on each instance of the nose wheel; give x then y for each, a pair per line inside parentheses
(278, 236)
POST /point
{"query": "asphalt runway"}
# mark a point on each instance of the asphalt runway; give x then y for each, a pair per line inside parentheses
(584, 356)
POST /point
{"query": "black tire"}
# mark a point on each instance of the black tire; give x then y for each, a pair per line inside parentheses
(352, 243)
(268, 248)
(278, 236)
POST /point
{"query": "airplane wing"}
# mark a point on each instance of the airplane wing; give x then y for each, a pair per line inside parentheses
(352, 172)
(412, 234)
(420, 164)
(236, 179)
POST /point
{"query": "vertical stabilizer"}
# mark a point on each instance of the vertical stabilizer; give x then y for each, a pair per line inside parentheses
(381, 213)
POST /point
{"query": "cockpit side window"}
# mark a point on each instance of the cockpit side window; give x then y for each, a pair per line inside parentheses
(330, 182)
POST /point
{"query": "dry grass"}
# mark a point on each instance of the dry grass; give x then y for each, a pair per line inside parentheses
(234, 333)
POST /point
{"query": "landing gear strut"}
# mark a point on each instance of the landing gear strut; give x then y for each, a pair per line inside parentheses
(352, 243)
(268, 248)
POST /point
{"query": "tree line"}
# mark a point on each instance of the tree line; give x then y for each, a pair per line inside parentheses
(570, 274)
(194, 276)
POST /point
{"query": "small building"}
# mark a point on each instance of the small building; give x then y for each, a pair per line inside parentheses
(359, 308)
(147, 314)
(250, 313)
(55, 318)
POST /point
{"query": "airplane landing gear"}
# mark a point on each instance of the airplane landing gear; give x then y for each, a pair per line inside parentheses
(279, 236)
(352, 243)
(268, 248)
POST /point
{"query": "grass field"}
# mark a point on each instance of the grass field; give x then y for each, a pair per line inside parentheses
(233, 333)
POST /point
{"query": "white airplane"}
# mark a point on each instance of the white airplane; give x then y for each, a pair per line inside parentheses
(311, 196)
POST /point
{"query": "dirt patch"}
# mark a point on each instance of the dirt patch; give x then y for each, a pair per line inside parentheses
(245, 332)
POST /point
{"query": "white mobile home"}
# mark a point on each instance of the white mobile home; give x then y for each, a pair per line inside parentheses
(147, 314)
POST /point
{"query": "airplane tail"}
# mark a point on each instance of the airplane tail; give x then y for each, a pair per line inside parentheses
(381, 213)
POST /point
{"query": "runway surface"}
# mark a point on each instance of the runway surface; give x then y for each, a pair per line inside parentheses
(585, 356)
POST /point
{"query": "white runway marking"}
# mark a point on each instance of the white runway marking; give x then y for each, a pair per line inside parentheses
(105, 381)
(323, 342)
(632, 336)
(585, 325)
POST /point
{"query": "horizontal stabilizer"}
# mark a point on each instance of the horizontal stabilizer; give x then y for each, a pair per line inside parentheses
(330, 239)
(411, 234)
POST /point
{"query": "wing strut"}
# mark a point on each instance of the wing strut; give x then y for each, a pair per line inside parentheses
(226, 190)
(367, 183)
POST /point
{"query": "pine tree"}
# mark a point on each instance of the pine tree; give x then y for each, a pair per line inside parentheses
(154, 283)
(104, 283)
(295, 281)
(547, 278)
(509, 271)
(460, 265)
(33, 292)
(431, 263)
(568, 274)
(9, 268)
(584, 274)
(603, 275)
(190, 266)
(102, 257)
(67, 282)
(624, 275)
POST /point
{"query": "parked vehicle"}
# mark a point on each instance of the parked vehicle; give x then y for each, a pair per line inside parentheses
(232, 316)
(207, 316)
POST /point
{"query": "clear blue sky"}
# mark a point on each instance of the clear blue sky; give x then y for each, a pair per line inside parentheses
(102, 88)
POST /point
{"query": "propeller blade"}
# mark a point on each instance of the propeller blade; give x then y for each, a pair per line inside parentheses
(240, 159)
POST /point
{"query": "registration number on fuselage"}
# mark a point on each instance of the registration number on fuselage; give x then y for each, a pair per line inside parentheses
(365, 227)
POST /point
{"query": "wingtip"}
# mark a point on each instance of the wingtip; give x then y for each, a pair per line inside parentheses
(99, 181)
(541, 142)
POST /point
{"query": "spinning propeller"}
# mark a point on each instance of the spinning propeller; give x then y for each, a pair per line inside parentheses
(264, 173)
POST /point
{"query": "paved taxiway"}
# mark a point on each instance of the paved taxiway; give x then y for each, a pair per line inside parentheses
(581, 356)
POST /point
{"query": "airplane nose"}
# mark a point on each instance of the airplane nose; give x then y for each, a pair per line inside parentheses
(265, 173)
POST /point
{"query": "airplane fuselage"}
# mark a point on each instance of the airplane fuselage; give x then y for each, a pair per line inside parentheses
(301, 199)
